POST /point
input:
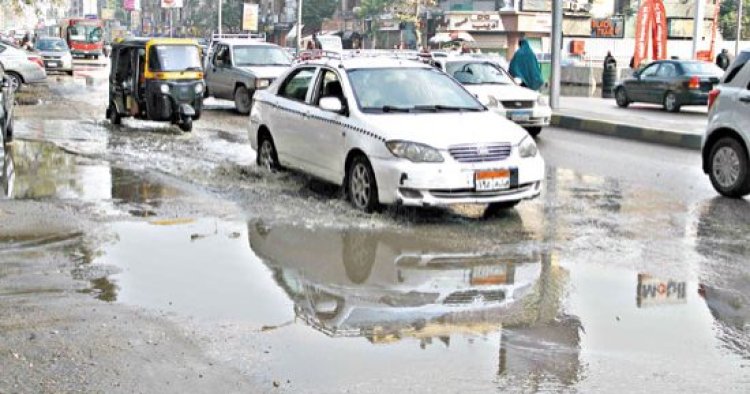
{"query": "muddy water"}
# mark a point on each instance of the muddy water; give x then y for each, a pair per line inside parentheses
(588, 288)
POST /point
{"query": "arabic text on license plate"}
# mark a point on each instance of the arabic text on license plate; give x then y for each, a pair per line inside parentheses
(489, 275)
(53, 64)
(520, 116)
(492, 180)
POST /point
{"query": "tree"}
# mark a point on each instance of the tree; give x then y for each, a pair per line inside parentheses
(728, 19)
(314, 12)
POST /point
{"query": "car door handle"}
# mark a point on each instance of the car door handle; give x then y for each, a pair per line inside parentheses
(745, 99)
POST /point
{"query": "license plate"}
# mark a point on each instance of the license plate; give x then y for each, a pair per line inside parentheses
(489, 275)
(53, 64)
(492, 180)
(520, 116)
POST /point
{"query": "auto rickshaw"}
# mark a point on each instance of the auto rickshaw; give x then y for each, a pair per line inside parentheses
(159, 79)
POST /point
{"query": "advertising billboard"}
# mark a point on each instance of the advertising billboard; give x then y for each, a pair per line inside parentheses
(250, 17)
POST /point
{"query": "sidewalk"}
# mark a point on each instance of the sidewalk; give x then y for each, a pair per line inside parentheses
(643, 122)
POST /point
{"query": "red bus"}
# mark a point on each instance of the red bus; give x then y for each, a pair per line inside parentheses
(85, 37)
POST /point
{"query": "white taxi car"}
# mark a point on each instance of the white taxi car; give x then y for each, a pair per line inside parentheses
(393, 132)
(488, 80)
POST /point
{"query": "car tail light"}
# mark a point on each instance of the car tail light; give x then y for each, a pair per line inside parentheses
(712, 96)
(695, 83)
(36, 60)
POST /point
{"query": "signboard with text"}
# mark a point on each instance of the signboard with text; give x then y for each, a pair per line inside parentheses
(475, 22)
(682, 28)
(613, 27)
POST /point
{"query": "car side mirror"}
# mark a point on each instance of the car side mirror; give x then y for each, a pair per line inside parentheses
(332, 104)
(518, 81)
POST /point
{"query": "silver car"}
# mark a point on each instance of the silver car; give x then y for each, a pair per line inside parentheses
(56, 54)
(21, 67)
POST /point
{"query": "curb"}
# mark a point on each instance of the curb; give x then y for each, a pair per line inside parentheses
(625, 131)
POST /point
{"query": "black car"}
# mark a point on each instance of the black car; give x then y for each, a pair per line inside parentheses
(6, 107)
(671, 83)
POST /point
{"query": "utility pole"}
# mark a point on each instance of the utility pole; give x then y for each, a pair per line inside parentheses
(554, 86)
(220, 4)
(299, 26)
(697, 26)
(739, 28)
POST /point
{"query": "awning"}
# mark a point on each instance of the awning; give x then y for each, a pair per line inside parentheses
(292, 35)
(451, 36)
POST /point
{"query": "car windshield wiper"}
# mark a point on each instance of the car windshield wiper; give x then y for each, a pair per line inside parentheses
(437, 108)
(388, 108)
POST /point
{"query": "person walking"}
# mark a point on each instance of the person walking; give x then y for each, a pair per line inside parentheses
(525, 66)
(723, 60)
(610, 61)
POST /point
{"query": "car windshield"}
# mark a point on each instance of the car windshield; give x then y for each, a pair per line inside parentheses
(174, 58)
(476, 73)
(702, 68)
(381, 90)
(51, 45)
(85, 33)
(260, 56)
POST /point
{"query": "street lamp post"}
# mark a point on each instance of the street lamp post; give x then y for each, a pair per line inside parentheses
(697, 26)
(554, 87)
(739, 28)
(299, 26)
(220, 4)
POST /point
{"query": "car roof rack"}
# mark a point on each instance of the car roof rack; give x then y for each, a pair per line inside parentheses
(245, 36)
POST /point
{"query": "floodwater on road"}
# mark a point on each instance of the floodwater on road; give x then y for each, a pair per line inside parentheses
(610, 281)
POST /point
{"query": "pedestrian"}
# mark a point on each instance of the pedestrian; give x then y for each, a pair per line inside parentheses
(525, 66)
(723, 60)
(610, 61)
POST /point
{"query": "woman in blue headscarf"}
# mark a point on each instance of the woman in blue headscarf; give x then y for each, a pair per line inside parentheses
(525, 66)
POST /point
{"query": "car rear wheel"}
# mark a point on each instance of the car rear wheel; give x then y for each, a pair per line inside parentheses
(728, 168)
(187, 124)
(621, 97)
(15, 81)
(242, 100)
(267, 157)
(671, 103)
(361, 185)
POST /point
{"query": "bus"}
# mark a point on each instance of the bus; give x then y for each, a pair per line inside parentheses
(85, 37)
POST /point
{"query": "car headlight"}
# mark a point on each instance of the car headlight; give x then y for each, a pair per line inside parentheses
(262, 83)
(418, 153)
(527, 147)
(542, 100)
(198, 88)
(164, 88)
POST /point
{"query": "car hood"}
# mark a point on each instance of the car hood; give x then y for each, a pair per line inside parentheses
(53, 53)
(268, 72)
(503, 92)
(441, 130)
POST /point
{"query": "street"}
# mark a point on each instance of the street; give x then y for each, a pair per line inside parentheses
(139, 258)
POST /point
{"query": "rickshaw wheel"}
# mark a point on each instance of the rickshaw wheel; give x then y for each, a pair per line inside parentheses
(187, 125)
(113, 116)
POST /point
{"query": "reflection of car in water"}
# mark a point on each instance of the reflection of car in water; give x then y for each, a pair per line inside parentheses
(7, 178)
(723, 239)
(383, 283)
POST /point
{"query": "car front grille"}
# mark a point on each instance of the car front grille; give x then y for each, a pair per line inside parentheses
(518, 104)
(52, 57)
(480, 153)
(472, 296)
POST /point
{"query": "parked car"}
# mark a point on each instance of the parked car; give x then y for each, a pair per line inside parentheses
(671, 83)
(21, 67)
(492, 83)
(56, 54)
(6, 106)
(237, 68)
(393, 132)
(725, 144)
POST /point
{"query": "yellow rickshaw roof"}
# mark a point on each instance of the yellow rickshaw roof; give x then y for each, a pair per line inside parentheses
(172, 41)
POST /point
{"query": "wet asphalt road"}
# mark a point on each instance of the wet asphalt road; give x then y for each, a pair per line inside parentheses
(627, 274)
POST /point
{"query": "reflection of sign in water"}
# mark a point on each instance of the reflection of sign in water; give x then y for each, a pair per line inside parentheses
(653, 291)
(608, 27)
(250, 17)
(475, 22)
(171, 3)
(683, 28)
(132, 5)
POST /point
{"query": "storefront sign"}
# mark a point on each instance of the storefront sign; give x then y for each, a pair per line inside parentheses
(535, 23)
(466, 21)
(536, 5)
(682, 28)
(613, 27)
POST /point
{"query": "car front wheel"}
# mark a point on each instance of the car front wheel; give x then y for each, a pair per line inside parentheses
(533, 131)
(621, 97)
(728, 168)
(361, 185)
(267, 157)
(242, 100)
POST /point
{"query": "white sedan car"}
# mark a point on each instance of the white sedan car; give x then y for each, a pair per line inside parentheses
(489, 81)
(393, 132)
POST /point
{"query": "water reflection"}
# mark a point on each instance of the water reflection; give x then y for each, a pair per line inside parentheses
(391, 286)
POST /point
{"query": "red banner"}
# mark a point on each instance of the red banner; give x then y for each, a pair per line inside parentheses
(651, 23)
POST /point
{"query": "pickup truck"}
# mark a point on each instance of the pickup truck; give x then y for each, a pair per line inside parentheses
(237, 67)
